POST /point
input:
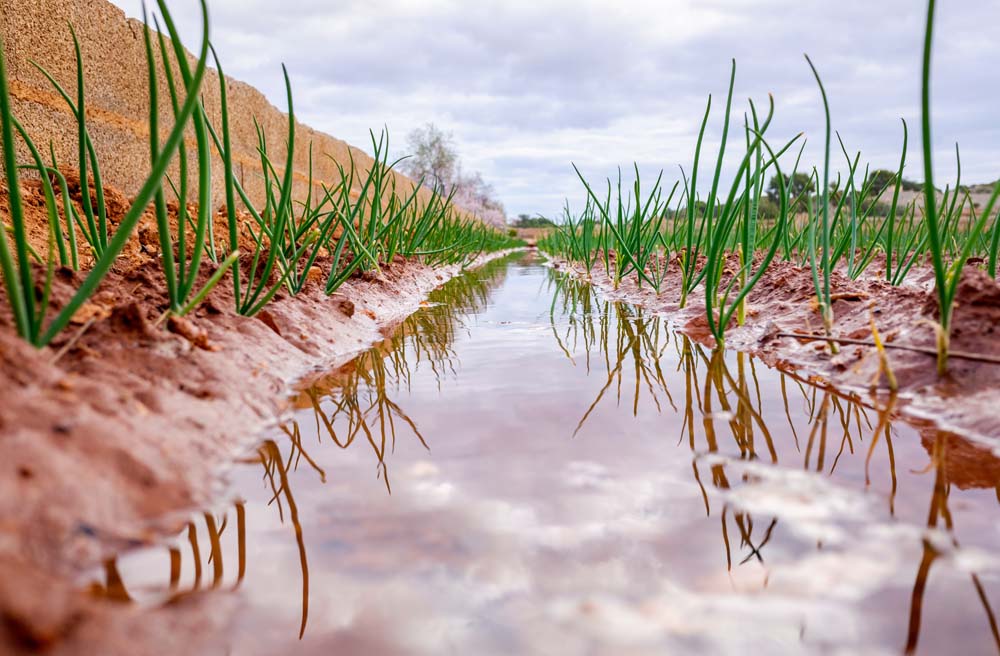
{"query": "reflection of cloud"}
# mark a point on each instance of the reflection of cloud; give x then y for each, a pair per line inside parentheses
(811, 506)
(528, 87)
(484, 569)
(512, 537)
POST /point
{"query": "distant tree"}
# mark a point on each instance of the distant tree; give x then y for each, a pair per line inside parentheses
(767, 209)
(477, 196)
(799, 184)
(879, 179)
(835, 192)
(882, 178)
(700, 209)
(432, 157)
(527, 221)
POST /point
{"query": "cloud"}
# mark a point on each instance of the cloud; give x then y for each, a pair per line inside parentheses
(529, 87)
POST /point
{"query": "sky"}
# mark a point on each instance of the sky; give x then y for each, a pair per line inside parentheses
(528, 88)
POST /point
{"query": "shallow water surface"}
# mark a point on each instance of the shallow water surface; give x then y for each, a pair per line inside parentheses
(524, 468)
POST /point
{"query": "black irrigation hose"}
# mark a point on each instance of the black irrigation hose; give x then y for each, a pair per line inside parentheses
(992, 359)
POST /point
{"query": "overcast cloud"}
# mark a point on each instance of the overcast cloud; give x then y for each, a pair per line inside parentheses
(527, 87)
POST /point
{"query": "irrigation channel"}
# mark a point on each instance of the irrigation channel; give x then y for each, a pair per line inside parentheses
(525, 468)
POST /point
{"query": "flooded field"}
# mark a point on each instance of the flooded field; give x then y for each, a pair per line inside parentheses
(524, 468)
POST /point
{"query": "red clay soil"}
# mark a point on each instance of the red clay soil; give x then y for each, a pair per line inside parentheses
(965, 401)
(117, 430)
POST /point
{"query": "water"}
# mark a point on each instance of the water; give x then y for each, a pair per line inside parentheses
(526, 469)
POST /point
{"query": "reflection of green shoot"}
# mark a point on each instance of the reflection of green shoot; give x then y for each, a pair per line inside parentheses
(940, 518)
(270, 456)
(357, 400)
(114, 586)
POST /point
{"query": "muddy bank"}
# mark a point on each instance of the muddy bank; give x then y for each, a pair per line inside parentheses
(114, 433)
(784, 302)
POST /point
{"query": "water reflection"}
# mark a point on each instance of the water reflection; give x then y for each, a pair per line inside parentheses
(358, 399)
(933, 549)
(351, 401)
(729, 399)
(620, 334)
(111, 585)
(569, 474)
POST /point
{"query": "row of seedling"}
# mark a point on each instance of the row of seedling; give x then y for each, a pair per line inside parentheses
(358, 222)
(774, 208)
